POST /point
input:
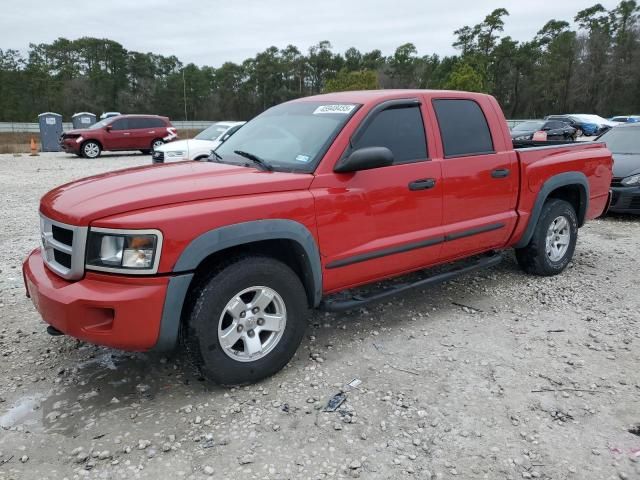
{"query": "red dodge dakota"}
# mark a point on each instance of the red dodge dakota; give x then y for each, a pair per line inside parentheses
(310, 198)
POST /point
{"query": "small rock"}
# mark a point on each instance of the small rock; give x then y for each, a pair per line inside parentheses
(208, 470)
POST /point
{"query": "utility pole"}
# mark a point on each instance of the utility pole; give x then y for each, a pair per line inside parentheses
(184, 94)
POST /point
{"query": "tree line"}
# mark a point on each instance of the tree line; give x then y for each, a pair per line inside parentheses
(590, 66)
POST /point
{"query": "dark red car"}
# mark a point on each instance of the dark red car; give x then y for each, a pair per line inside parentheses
(123, 132)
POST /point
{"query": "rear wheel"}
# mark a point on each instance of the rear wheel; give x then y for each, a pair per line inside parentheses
(91, 149)
(156, 143)
(553, 242)
(246, 320)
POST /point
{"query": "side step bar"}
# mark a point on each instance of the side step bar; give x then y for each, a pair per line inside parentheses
(358, 301)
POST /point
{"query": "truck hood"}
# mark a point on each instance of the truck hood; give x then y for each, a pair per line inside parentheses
(625, 164)
(88, 199)
(77, 131)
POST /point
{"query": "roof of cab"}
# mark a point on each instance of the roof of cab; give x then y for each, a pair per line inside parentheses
(375, 96)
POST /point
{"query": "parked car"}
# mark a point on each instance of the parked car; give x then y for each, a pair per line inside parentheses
(624, 142)
(625, 119)
(124, 132)
(555, 129)
(198, 147)
(106, 115)
(582, 125)
(310, 198)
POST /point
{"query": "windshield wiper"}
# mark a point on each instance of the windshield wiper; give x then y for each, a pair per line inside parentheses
(216, 155)
(263, 164)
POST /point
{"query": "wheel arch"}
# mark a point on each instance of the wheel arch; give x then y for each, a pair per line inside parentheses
(286, 240)
(572, 187)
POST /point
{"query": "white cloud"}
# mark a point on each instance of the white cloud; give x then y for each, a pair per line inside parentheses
(210, 32)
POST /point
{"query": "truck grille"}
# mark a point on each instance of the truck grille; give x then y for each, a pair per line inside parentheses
(63, 248)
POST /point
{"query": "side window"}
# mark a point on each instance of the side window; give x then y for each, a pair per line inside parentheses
(122, 124)
(401, 130)
(554, 125)
(138, 123)
(463, 128)
(154, 123)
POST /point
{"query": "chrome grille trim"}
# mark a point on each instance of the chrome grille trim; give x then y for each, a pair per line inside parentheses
(49, 244)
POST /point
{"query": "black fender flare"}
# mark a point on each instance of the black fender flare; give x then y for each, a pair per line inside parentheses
(565, 179)
(225, 237)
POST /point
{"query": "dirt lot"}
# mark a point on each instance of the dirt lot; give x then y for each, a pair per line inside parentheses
(493, 376)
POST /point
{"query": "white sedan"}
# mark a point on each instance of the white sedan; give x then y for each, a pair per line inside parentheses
(197, 148)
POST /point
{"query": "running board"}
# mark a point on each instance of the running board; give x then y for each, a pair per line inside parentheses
(359, 301)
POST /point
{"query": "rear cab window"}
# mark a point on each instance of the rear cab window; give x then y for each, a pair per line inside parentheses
(464, 129)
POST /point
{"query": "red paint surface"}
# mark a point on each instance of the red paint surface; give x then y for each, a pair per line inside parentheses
(348, 214)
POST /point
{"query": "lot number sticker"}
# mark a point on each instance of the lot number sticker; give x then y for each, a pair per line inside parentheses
(344, 109)
(50, 121)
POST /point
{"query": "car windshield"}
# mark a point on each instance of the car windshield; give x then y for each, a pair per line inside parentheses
(214, 132)
(622, 140)
(293, 136)
(102, 123)
(528, 126)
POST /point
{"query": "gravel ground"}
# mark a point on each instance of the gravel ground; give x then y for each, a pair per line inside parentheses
(497, 376)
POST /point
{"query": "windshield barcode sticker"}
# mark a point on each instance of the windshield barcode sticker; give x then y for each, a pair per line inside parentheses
(344, 109)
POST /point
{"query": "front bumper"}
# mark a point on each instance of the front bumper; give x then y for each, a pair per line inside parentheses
(115, 311)
(625, 200)
(70, 145)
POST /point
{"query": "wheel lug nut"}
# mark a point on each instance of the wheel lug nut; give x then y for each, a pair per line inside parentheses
(261, 321)
(251, 333)
(240, 328)
(243, 314)
(255, 310)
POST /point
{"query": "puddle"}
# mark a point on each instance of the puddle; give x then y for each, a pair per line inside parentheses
(111, 380)
(22, 412)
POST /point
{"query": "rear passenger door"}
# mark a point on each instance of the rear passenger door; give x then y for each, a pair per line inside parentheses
(480, 177)
(141, 133)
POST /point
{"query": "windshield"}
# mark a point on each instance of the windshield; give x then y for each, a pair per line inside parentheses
(213, 132)
(102, 123)
(293, 136)
(622, 140)
(528, 126)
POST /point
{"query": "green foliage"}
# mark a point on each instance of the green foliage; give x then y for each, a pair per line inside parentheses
(465, 77)
(593, 68)
(346, 80)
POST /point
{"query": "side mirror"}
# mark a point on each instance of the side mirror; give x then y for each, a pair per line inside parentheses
(108, 128)
(365, 159)
(545, 129)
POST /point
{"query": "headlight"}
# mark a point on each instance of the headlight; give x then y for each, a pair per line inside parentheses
(177, 153)
(631, 181)
(127, 251)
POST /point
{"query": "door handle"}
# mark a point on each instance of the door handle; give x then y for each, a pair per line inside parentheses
(500, 173)
(126, 133)
(422, 184)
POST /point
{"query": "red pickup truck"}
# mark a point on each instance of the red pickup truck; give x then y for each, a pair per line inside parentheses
(310, 198)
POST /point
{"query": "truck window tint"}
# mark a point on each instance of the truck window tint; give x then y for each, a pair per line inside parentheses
(463, 128)
(401, 130)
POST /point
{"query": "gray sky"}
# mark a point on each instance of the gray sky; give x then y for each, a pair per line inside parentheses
(210, 32)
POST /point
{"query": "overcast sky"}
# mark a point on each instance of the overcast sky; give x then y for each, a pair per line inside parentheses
(210, 32)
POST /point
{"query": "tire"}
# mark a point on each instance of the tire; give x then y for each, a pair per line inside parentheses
(214, 312)
(579, 132)
(156, 143)
(91, 149)
(541, 258)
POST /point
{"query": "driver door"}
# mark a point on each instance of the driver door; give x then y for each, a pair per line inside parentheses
(384, 221)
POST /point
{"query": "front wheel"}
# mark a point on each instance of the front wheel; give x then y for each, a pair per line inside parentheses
(579, 132)
(553, 242)
(91, 149)
(246, 320)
